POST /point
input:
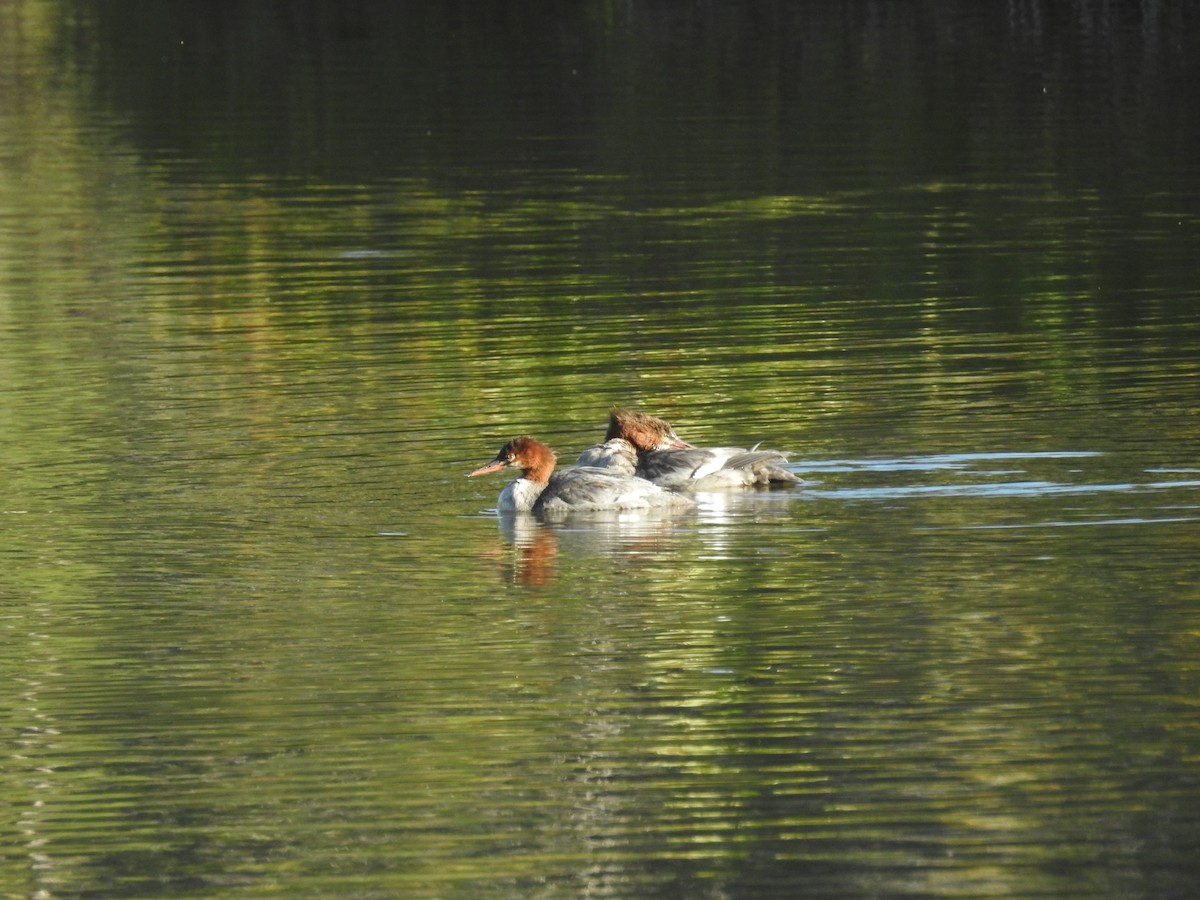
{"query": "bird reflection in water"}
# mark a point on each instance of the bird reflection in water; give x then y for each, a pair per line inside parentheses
(613, 533)
(536, 550)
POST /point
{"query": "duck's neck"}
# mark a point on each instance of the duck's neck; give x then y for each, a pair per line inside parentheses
(520, 495)
(539, 469)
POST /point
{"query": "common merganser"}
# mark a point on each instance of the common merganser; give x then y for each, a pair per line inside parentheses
(615, 454)
(628, 434)
(659, 455)
(580, 489)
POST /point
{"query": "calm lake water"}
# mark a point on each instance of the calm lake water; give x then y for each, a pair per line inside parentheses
(273, 279)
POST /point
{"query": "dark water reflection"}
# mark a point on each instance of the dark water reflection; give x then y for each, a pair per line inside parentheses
(270, 285)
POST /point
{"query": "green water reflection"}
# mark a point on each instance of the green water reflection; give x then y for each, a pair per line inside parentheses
(263, 636)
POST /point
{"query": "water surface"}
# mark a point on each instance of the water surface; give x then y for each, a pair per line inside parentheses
(270, 287)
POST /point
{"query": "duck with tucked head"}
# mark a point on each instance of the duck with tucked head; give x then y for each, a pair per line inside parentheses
(629, 434)
(647, 446)
(541, 489)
